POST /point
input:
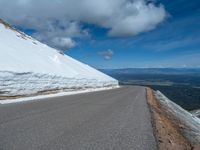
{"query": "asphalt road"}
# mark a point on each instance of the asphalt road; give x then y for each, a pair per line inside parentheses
(116, 119)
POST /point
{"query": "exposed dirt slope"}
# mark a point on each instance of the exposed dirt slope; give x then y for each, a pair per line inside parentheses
(167, 133)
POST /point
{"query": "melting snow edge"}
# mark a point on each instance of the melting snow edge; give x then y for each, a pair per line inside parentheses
(40, 97)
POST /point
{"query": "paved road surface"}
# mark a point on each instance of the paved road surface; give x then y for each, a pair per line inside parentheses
(116, 119)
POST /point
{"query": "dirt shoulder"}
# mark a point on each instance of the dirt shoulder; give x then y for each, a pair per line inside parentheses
(167, 133)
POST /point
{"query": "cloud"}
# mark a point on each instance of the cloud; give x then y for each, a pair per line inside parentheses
(173, 43)
(137, 17)
(107, 54)
(60, 34)
(63, 43)
(63, 18)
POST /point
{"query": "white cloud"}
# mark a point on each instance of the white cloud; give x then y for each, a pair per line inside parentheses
(60, 35)
(107, 54)
(137, 17)
(63, 43)
(62, 18)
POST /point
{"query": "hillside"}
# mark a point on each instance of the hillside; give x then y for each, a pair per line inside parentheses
(174, 127)
(29, 67)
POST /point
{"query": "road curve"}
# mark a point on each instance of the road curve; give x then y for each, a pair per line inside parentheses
(116, 119)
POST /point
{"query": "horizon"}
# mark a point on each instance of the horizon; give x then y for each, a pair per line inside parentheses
(152, 68)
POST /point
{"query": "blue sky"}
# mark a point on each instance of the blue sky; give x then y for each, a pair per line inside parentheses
(172, 39)
(174, 43)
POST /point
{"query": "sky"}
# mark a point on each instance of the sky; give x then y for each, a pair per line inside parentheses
(113, 33)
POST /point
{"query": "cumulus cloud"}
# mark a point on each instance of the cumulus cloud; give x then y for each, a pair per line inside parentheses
(60, 34)
(63, 43)
(137, 17)
(107, 54)
(63, 18)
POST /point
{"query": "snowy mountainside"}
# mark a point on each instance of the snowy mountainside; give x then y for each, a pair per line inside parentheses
(28, 67)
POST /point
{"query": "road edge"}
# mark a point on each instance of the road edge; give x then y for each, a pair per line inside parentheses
(167, 134)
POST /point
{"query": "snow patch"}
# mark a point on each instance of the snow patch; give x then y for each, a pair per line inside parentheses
(17, 84)
(40, 97)
(196, 113)
(191, 124)
(28, 67)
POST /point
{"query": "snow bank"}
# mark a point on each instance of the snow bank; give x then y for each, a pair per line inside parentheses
(190, 124)
(28, 83)
(40, 97)
(28, 66)
(196, 113)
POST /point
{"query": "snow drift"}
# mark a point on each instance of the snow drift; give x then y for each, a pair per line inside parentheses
(196, 113)
(28, 67)
(189, 124)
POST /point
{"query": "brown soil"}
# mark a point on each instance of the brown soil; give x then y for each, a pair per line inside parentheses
(53, 91)
(167, 133)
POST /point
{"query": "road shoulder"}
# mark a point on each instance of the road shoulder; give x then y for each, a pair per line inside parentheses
(166, 132)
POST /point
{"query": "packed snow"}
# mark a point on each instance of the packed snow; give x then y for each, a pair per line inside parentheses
(190, 123)
(196, 113)
(60, 94)
(28, 67)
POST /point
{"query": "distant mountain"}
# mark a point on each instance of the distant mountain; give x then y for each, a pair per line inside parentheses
(164, 71)
(28, 66)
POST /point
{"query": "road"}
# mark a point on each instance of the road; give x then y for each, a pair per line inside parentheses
(117, 119)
